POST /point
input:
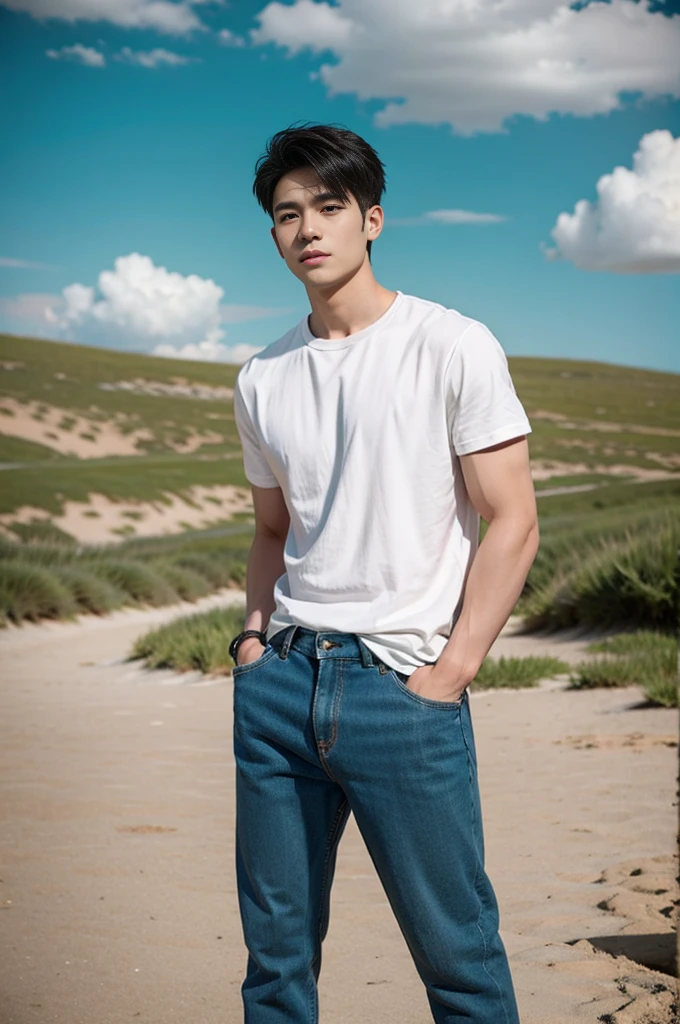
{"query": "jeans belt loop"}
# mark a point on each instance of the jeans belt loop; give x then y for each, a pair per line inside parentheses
(287, 641)
(368, 658)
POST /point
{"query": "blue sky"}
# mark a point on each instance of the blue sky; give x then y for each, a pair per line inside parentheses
(115, 148)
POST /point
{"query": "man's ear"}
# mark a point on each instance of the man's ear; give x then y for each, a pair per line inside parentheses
(375, 218)
(276, 241)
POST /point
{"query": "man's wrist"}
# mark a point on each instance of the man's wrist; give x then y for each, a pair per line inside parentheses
(454, 670)
(246, 645)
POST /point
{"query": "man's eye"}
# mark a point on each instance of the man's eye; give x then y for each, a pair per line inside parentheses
(331, 207)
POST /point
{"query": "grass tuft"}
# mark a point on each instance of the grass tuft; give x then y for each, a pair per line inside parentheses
(644, 658)
(90, 592)
(41, 531)
(32, 593)
(617, 576)
(188, 583)
(517, 672)
(140, 582)
(193, 642)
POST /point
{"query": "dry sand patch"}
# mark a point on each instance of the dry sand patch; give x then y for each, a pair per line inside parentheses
(101, 520)
(546, 469)
(566, 423)
(83, 437)
(177, 387)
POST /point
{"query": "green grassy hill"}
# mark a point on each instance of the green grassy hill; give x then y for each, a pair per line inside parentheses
(105, 446)
(77, 421)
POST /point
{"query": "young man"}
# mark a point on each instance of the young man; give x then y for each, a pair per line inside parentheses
(375, 433)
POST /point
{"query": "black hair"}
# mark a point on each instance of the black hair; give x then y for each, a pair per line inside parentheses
(344, 162)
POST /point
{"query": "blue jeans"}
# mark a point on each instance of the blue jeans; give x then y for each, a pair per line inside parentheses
(321, 728)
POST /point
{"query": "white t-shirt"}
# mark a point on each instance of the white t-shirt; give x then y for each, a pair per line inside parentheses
(363, 434)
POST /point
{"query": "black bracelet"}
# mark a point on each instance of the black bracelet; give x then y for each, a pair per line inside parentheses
(236, 642)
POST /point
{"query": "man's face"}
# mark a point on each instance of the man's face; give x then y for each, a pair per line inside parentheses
(308, 219)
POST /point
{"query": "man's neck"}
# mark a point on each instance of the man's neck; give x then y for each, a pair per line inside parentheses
(349, 307)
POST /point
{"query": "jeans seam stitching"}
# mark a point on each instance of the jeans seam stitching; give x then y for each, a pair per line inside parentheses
(330, 843)
(492, 979)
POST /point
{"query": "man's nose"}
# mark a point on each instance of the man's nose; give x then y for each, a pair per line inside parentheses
(309, 227)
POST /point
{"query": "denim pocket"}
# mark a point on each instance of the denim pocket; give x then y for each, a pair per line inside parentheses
(400, 680)
(267, 653)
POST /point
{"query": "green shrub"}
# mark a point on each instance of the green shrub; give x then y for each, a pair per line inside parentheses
(516, 672)
(189, 584)
(41, 531)
(634, 580)
(37, 554)
(90, 592)
(198, 641)
(216, 570)
(644, 658)
(140, 582)
(33, 593)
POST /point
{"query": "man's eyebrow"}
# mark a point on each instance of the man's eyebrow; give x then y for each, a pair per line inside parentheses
(321, 197)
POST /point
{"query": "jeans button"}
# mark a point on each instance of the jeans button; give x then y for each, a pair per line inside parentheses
(327, 645)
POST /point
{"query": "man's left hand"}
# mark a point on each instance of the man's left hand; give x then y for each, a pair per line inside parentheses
(435, 683)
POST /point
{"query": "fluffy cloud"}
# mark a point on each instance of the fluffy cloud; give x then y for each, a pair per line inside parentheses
(153, 58)
(306, 24)
(634, 227)
(208, 351)
(81, 54)
(447, 217)
(162, 15)
(140, 303)
(29, 307)
(475, 63)
(228, 38)
(142, 58)
(140, 306)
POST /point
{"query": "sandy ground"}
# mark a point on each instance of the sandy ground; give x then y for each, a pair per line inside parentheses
(103, 521)
(84, 437)
(117, 896)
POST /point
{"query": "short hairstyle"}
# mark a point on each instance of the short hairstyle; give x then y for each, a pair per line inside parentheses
(344, 162)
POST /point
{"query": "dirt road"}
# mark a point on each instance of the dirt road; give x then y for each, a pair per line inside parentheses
(117, 897)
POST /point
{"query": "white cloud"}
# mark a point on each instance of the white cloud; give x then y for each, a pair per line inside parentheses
(162, 15)
(29, 306)
(475, 63)
(8, 261)
(81, 54)
(208, 351)
(305, 24)
(446, 217)
(153, 58)
(228, 38)
(140, 303)
(140, 306)
(634, 226)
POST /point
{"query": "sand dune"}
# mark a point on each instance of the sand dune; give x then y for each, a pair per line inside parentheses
(117, 896)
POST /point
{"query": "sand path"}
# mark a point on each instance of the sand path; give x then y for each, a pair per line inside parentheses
(117, 898)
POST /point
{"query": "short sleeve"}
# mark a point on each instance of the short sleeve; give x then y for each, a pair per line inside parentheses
(255, 465)
(481, 402)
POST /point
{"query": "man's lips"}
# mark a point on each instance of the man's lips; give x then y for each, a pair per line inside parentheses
(313, 257)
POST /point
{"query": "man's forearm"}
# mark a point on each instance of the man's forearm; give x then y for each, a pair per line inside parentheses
(494, 584)
(265, 565)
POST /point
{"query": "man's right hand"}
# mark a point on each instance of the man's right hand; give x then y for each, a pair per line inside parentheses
(249, 650)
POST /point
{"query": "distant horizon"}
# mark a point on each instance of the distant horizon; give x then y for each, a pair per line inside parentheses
(206, 362)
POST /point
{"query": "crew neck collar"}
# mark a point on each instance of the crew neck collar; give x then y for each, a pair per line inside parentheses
(335, 344)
